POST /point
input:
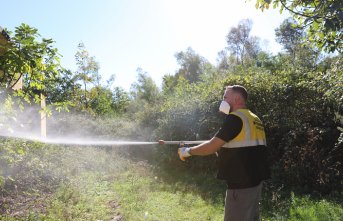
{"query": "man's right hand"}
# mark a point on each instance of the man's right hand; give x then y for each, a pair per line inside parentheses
(184, 153)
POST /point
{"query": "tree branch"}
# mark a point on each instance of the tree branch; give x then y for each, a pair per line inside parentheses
(16, 80)
(297, 13)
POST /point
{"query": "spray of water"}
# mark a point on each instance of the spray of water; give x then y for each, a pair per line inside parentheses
(79, 141)
(78, 129)
(82, 141)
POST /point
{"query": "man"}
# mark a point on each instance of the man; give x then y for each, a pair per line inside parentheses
(241, 143)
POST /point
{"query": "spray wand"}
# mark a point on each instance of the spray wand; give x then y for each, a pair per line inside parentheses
(181, 143)
(65, 141)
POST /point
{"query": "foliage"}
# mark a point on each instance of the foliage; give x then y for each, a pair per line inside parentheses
(30, 58)
(71, 125)
(241, 44)
(291, 37)
(63, 90)
(187, 109)
(120, 100)
(311, 153)
(25, 166)
(50, 182)
(146, 97)
(145, 89)
(287, 102)
(322, 20)
(192, 65)
(101, 101)
(223, 60)
(87, 71)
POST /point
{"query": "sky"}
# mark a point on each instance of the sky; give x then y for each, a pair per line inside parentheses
(124, 35)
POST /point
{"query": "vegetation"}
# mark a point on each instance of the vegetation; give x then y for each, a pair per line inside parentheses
(86, 183)
(321, 19)
(299, 100)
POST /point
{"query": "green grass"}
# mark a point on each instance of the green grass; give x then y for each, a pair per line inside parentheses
(148, 197)
(99, 184)
(87, 197)
(280, 203)
(304, 208)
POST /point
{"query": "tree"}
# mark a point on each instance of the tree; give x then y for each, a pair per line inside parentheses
(120, 100)
(145, 89)
(323, 20)
(291, 37)
(266, 60)
(34, 61)
(253, 47)
(63, 89)
(192, 65)
(100, 100)
(29, 57)
(240, 44)
(87, 70)
(223, 60)
(168, 83)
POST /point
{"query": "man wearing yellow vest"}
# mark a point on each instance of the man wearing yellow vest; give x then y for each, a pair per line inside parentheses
(241, 142)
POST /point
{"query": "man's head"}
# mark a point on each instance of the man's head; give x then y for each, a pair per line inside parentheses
(236, 96)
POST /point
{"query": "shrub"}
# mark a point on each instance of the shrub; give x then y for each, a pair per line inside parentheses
(301, 112)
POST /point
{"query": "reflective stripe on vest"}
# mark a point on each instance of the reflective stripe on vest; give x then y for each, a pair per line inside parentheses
(248, 138)
(246, 143)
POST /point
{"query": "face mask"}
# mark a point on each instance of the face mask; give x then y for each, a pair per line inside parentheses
(224, 107)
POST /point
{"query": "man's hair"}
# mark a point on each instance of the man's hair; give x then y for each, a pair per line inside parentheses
(239, 89)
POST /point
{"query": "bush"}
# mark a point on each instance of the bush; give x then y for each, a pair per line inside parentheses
(309, 159)
(301, 112)
(27, 165)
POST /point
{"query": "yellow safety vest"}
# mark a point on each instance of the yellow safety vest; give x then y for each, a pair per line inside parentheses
(252, 133)
(243, 160)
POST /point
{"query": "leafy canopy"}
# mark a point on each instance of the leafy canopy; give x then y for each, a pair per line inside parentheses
(322, 19)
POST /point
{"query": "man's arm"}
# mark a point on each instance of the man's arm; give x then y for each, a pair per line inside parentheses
(229, 130)
(208, 147)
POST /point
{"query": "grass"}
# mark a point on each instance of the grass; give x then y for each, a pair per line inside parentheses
(304, 208)
(149, 197)
(284, 204)
(88, 197)
(100, 184)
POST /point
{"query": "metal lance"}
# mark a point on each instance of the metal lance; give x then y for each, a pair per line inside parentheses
(163, 142)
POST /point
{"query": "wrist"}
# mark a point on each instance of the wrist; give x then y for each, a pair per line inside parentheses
(188, 150)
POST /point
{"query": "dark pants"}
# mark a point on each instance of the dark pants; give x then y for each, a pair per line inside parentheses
(243, 204)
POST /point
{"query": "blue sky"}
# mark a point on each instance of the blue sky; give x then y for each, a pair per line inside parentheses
(126, 34)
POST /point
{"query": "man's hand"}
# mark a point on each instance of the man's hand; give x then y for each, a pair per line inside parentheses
(184, 153)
